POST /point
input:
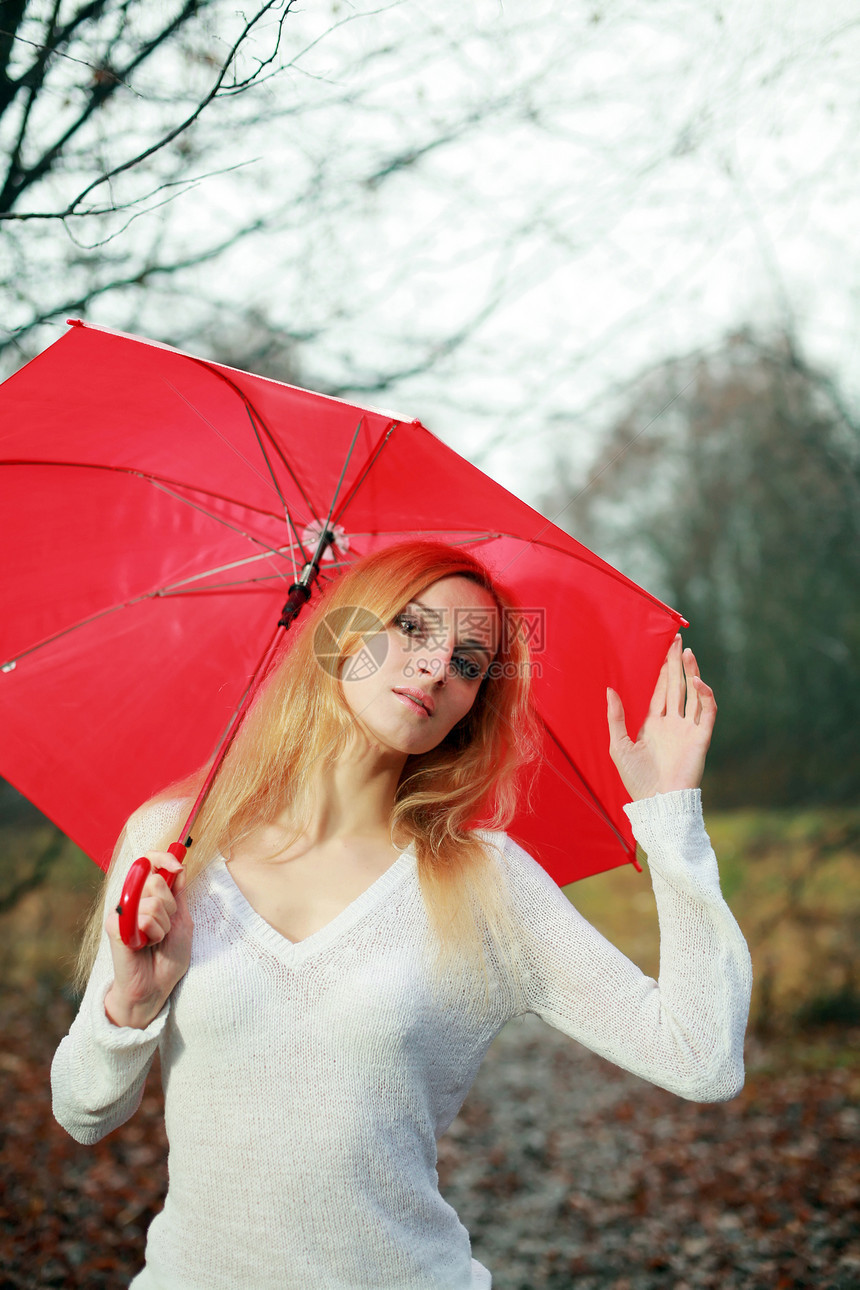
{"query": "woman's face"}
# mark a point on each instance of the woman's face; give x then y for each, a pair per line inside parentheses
(426, 668)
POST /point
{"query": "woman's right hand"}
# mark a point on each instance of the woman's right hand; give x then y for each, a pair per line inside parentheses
(143, 979)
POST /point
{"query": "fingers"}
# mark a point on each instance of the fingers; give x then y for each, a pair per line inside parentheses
(615, 718)
(164, 860)
(693, 705)
(620, 743)
(676, 689)
(707, 707)
(157, 908)
(701, 705)
(657, 706)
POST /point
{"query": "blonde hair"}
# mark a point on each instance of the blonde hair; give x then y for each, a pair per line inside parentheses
(299, 724)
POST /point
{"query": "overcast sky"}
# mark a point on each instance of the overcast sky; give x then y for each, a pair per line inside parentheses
(595, 186)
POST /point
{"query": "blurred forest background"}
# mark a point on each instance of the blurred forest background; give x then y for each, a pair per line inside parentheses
(606, 251)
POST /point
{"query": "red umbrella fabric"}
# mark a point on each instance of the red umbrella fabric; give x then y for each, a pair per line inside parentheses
(147, 557)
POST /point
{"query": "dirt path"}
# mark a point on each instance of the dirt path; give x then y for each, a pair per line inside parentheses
(567, 1172)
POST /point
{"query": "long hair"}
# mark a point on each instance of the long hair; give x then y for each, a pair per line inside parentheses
(300, 723)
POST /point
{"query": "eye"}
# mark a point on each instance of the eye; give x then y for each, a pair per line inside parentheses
(410, 624)
(467, 667)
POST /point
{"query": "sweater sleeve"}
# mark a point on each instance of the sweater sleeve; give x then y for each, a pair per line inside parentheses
(684, 1032)
(99, 1069)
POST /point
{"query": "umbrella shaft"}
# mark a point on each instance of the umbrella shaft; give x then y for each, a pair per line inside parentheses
(299, 595)
(300, 592)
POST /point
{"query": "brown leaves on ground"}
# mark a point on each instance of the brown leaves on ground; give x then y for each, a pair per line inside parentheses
(571, 1173)
(69, 1215)
(567, 1172)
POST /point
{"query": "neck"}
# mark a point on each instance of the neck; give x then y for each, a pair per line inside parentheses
(355, 797)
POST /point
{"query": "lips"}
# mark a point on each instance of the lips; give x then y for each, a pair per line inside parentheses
(424, 701)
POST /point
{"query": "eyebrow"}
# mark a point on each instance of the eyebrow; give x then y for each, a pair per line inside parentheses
(469, 643)
(475, 645)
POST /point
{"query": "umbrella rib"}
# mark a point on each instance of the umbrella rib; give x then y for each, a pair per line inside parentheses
(249, 587)
(594, 563)
(589, 798)
(10, 663)
(471, 539)
(206, 421)
(178, 588)
(152, 478)
(287, 515)
(234, 528)
(166, 592)
(181, 588)
(251, 409)
(173, 588)
(240, 454)
(346, 462)
(386, 435)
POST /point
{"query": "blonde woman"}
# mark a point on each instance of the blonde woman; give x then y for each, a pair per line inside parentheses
(344, 944)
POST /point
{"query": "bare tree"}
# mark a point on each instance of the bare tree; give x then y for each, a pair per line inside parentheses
(100, 107)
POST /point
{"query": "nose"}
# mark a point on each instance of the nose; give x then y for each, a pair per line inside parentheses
(436, 663)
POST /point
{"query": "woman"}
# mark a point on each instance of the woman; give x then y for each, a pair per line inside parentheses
(348, 944)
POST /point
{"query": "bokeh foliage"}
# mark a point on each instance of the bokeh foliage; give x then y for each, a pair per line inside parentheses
(731, 488)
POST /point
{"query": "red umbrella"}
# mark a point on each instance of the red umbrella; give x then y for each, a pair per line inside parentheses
(147, 556)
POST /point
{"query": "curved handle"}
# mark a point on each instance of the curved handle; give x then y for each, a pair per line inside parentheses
(130, 898)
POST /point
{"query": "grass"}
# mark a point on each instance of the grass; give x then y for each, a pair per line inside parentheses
(792, 881)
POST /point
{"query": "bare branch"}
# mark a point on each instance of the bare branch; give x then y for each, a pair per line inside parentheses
(138, 209)
(18, 179)
(189, 120)
(50, 50)
(136, 277)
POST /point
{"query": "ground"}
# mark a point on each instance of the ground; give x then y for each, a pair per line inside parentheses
(567, 1172)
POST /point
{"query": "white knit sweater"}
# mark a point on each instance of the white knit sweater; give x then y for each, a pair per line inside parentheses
(306, 1084)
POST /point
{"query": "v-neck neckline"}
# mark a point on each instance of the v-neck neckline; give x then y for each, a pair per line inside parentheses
(264, 933)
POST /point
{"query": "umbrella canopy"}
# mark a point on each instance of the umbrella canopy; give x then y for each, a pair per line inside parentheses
(146, 557)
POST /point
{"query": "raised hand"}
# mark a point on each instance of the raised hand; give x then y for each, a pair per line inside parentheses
(143, 979)
(669, 752)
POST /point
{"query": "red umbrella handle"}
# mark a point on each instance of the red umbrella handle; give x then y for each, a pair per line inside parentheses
(130, 898)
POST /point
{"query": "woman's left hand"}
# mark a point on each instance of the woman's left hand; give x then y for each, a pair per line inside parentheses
(669, 753)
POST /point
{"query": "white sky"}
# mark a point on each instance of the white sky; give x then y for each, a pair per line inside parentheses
(639, 178)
